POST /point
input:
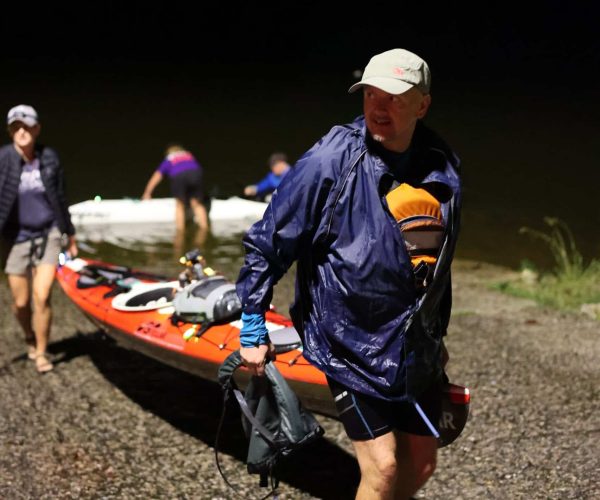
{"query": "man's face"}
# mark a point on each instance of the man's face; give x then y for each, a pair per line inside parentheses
(22, 135)
(391, 118)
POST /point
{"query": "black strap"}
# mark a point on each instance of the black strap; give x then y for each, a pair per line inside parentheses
(37, 250)
(114, 272)
(256, 425)
(116, 291)
(231, 363)
(177, 320)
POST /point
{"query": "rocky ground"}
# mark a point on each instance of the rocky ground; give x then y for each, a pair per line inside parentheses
(111, 423)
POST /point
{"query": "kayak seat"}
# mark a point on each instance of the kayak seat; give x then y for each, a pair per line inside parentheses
(145, 297)
(285, 339)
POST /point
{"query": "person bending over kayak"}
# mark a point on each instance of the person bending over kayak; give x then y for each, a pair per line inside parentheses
(371, 312)
(185, 174)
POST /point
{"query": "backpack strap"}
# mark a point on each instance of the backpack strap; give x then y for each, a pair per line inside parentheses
(230, 365)
(225, 378)
(256, 425)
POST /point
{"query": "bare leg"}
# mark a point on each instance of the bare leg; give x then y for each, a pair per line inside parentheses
(200, 214)
(178, 242)
(43, 277)
(200, 237)
(179, 215)
(21, 307)
(394, 465)
(416, 458)
(378, 471)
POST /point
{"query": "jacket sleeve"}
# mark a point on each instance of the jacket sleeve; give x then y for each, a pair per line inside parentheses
(289, 223)
(64, 206)
(57, 185)
(266, 184)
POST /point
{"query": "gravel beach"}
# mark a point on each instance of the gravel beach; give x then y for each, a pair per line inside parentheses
(110, 423)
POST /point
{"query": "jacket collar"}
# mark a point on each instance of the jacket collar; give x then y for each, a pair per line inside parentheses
(431, 156)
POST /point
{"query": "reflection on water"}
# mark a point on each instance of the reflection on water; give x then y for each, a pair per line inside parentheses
(161, 255)
(181, 244)
(161, 250)
(528, 150)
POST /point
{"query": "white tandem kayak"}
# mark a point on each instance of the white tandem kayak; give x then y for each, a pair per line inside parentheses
(130, 218)
(133, 211)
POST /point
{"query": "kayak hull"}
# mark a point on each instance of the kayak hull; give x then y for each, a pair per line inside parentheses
(316, 397)
(127, 219)
(152, 333)
(135, 211)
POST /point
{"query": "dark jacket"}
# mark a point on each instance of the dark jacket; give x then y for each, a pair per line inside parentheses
(52, 176)
(363, 321)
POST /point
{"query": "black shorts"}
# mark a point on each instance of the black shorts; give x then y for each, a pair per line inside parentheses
(365, 417)
(187, 184)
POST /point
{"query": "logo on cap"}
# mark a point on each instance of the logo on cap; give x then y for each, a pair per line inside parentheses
(22, 113)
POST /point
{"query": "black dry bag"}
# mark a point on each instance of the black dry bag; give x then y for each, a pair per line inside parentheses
(273, 418)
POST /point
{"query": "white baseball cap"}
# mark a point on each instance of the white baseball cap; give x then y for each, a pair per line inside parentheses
(22, 113)
(396, 71)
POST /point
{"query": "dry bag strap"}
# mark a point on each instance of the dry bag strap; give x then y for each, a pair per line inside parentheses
(226, 370)
(37, 247)
(225, 377)
(225, 373)
(256, 425)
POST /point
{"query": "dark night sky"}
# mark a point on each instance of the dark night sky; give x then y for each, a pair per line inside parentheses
(557, 37)
(516, 90)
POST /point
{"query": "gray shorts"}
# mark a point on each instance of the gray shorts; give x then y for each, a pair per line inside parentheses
(18, 257)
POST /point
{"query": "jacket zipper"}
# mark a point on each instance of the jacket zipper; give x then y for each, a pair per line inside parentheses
(337, 198)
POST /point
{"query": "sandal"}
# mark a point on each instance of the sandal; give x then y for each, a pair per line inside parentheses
(43, 364)
(31, 354)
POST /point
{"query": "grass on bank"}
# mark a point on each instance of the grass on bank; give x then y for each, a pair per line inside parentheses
(570, 284)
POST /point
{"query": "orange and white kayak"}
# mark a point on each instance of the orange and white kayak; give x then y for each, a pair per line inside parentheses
(136, 309)
(191, 328)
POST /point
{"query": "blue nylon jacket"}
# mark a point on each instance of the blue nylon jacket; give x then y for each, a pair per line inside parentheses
(357, 308)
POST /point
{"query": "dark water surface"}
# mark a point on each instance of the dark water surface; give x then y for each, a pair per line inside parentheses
(528, 150)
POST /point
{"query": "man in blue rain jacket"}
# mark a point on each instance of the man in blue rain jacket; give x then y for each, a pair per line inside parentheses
(364, 321)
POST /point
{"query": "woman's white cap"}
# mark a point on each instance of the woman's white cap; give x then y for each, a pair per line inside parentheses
(22, 113)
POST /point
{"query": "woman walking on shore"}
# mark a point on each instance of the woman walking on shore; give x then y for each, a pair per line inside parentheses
(34, 216)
